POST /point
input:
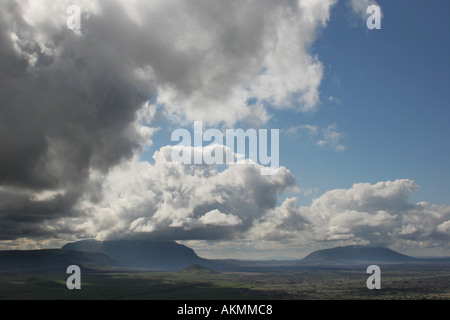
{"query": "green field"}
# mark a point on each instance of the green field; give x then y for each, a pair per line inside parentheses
(396, 283)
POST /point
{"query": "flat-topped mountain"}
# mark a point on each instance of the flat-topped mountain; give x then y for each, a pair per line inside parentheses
(140, 254)
(357, 254)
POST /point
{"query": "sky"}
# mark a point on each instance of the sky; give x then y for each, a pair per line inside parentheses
(87, 115)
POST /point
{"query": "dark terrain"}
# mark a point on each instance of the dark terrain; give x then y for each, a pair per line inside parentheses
(168, 270)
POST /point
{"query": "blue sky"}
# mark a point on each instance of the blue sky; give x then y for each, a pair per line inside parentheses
(393, 107)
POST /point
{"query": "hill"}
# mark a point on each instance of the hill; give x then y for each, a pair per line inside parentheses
(141, 254)
(357, 254)
(197, 270)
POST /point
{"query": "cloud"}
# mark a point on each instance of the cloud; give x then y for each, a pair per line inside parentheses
(193, 202)
(334, 100)
(229, 52)
(331, 138)
(327, 137)
(359, 7)
(217, 218)
(78, 107)
(304, 128)
(360, 11)
(376, 214)
(168, 200)
(283, 222)
(69, 106)
(364, 213)
(74, 104)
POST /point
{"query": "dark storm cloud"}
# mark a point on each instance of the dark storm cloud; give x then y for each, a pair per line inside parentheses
(67, 107)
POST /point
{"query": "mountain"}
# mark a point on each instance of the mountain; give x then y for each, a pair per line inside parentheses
(50, 260)
(197, 270)
(91, 255)
(141, 254)
(357, 254)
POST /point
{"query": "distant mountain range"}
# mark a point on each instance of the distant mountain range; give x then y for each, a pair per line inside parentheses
(93, 255)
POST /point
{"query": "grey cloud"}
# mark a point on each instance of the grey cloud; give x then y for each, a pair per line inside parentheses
(67, 107)
(70, 100)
